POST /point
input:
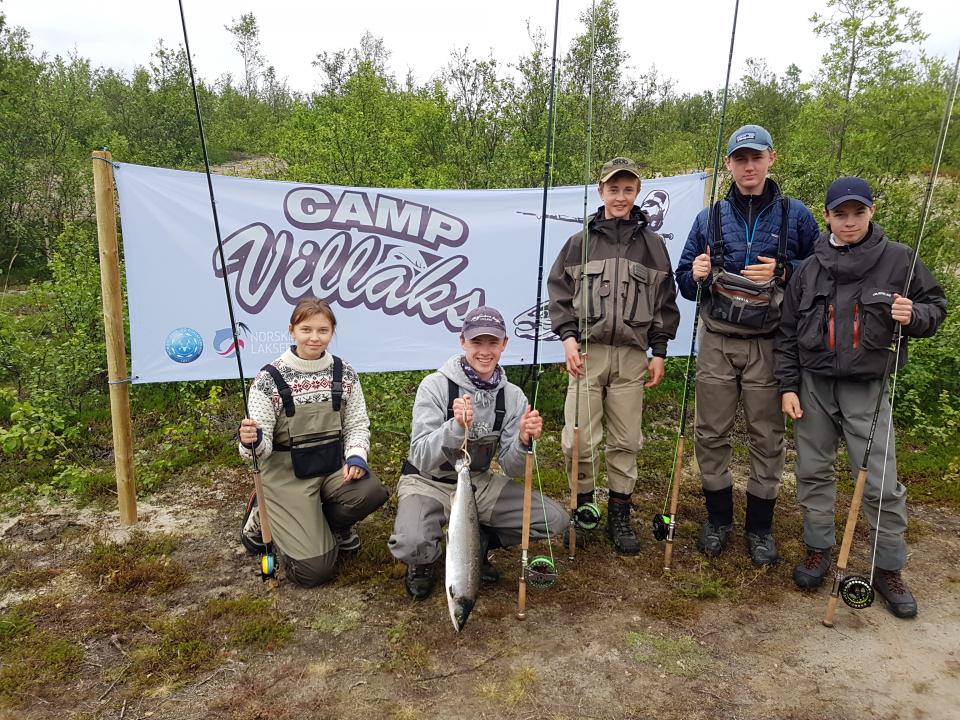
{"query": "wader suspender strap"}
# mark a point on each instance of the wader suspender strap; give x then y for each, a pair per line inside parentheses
(286, 395)
(453, 392)
(715, 233)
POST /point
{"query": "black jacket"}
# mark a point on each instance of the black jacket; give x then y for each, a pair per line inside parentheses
(836, 312)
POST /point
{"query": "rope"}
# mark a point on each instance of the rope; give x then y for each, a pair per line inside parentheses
(921, 226)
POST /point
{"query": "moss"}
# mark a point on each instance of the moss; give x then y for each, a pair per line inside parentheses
(143, 563)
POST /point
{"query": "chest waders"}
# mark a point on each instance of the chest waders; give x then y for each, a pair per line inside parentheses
(307, 450)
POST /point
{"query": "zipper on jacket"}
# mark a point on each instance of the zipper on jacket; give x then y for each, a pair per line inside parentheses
(831, 328)
(746, 227)
(856, 326)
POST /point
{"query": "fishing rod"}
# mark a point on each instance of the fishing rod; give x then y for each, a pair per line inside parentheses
(665, 524)
(856, 590)
(267, 558)
(541, 570)
(586, 516)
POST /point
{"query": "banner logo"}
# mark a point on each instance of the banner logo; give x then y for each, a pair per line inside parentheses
(223, 340)
(183, 345)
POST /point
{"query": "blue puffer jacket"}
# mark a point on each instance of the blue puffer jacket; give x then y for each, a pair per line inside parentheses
(742, 245)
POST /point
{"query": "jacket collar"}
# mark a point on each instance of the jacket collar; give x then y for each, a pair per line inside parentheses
(850, 262)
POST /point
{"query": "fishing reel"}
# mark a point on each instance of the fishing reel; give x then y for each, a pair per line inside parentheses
(587, 516)
(541, 572)
(661, 526)
(268, 567)
(856, 591)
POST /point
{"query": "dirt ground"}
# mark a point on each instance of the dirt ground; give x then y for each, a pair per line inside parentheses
(613, 639)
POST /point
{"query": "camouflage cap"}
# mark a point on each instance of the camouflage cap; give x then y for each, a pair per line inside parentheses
(619, 164)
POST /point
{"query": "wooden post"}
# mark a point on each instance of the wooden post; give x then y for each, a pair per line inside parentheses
(105, 194)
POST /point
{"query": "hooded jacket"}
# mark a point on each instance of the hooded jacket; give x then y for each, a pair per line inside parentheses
(626, 285)
(432, 431)
(746, 237)
(836, 311)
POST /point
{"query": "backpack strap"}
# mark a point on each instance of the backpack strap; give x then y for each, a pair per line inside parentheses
(336, 389)
(286, 395)
(784, 230)
(453, 392)
(501, 411)
(715, 235)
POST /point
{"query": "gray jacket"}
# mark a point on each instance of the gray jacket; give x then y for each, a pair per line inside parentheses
(432, 431)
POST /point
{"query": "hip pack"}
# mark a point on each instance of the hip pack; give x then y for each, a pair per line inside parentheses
(738, 306)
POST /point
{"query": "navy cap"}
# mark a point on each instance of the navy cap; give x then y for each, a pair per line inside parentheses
(849, 188)
(749, 136)
(484, 321)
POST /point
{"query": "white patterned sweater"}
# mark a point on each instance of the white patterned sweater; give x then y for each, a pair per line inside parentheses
(310, 381)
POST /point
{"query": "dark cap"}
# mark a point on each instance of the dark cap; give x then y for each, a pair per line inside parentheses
(619, 164)
(849, 188)
(753, 137)
(484, 321)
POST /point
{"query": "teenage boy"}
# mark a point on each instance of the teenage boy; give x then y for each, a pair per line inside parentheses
(471, 391)
(741, 252)
(615, 300)
(838, 324)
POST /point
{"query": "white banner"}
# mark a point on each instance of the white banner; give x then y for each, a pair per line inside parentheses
(400, 267)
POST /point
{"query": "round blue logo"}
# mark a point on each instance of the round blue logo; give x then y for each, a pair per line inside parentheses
(183, 345)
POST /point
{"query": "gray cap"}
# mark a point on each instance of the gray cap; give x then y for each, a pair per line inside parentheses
(484, 321)
(753, 137)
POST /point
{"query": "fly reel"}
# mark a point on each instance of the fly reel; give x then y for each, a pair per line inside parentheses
(856, 591)
(541, 572)
(587, 516)
(267, 567)
(661, 526)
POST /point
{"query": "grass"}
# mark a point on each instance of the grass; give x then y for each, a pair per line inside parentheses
(142, 563)
(681, 656)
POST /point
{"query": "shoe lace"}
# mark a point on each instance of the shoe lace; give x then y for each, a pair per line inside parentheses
(813, 560)
(422, 571)
(895, 582)
(621, 524)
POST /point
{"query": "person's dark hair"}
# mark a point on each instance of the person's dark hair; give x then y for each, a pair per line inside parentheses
(308, 307)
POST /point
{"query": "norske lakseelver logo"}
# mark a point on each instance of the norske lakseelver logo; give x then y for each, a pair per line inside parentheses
(223, 340)
(383, 253)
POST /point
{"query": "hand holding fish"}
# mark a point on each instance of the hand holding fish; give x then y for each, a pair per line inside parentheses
(463, 410)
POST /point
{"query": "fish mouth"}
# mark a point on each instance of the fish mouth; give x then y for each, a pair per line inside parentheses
(460, 610)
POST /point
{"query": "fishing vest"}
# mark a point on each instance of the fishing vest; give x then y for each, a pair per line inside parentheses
(309, 438)
(482, 450)
(735, 305)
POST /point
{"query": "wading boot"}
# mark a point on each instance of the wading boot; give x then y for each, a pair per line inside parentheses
(758, 529)
(250, 534)
(810, 573)
(419, 581)
(488, 573)
(619, 529)
(347, 539)
(890, 586)
(713, 538)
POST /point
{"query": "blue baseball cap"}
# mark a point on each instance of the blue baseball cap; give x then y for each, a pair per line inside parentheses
(849, 188)
(749, 136)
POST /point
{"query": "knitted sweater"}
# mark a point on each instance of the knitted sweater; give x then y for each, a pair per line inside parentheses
(310, 382)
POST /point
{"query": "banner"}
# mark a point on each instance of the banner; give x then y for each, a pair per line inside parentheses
(399, 267)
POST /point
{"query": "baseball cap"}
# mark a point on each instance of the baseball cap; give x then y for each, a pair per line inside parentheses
(619, 164)
(484, 321)
(749, 136)
(846, 188)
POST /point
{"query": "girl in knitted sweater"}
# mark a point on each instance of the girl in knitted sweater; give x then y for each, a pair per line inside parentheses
(308, 425)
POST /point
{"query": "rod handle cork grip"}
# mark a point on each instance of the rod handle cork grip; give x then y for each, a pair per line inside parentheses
(525, 536)
(262, 509)
(831, 610)
(674, 503)
(845, 546)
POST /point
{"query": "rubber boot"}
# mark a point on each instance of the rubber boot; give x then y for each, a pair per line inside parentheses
(488, 541)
